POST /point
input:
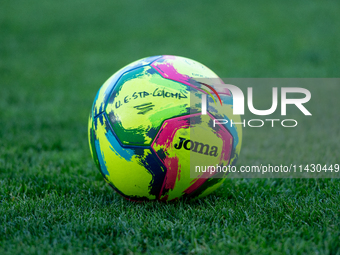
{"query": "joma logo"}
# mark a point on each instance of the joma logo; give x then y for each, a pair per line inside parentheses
(196, 147)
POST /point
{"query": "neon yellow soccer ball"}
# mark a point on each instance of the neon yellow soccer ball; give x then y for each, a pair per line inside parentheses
(146, 128)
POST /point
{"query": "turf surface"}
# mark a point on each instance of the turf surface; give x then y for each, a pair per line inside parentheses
(54, 55)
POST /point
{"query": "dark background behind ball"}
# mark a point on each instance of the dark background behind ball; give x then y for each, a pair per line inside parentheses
(54, 56)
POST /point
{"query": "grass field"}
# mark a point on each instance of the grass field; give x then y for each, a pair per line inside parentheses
(54, 55)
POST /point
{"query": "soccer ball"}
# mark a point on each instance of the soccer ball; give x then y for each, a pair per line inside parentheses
(148, 133)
